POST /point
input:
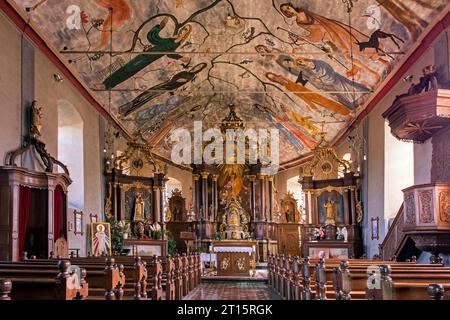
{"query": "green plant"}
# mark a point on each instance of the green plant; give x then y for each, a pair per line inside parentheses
(172, 246)
(117, 232)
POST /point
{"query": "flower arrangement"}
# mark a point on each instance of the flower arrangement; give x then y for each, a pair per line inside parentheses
(318, 233)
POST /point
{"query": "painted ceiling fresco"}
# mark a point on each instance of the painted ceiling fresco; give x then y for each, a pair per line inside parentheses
(285, 65)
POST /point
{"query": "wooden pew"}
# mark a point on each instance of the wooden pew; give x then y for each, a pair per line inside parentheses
(343, 281)
(436, 291)
(168, 264)
(178, 278)
(50, 281)
(5, 289)
(155, 271)
(140, 279)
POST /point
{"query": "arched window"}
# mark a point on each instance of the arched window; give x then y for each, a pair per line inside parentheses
(171, 185)
(293, 186)
(398, 172)
(71, 151)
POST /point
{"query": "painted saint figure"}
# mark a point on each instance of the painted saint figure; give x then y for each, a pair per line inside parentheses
(177, 81)
(141, 61)
(322, 76)
(101, 241)
(335, 33)
(312, 99)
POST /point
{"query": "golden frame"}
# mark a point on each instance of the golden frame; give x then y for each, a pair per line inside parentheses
(107, 225)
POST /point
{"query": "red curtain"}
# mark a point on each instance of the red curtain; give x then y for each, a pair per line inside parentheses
(24, 213)
(58, 212)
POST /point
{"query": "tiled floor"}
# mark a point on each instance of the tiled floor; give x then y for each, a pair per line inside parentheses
(232, 291)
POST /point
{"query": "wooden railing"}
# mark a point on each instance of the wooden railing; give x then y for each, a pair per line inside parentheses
(395, 238)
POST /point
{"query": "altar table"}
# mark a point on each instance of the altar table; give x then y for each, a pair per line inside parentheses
(235, 257)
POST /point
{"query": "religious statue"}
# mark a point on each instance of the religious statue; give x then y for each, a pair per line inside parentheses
(234, 220)
(234, 217)
(36, 119)
(288, 215)
(140, 230)
(139, 208)
(329, 206)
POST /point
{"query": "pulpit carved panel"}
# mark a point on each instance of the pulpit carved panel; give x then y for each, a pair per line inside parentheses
(426, 213)
(444, 206)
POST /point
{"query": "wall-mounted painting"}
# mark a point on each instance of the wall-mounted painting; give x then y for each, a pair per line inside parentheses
(101, 238)
(78, 222)
(374, 223)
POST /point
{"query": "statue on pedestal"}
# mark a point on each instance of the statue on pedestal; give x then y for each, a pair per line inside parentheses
(330, 211)
(234, 220)
(139, 208)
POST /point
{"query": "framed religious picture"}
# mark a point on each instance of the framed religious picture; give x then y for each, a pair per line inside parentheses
(101, 238)
(78, 222)
(93, 217)
(374, 223)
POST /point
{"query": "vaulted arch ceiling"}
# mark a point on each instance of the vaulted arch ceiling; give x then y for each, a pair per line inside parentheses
(284, 65)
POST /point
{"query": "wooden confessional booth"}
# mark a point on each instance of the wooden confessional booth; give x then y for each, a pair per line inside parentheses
(33, 202)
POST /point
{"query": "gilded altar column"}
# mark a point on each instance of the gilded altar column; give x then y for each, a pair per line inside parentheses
(252, 197)
(195, 195)
(262, 200)
(270, 178)
(205, 207)
(215, 199)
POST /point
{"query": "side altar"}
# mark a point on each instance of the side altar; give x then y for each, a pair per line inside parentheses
(235, 257)
(333, 210)
(135, 200)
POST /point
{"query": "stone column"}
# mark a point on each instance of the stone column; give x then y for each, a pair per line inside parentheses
(262, 201)
(252, 197)
(205, 206)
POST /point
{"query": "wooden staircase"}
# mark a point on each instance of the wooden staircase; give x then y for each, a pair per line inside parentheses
(395, 239)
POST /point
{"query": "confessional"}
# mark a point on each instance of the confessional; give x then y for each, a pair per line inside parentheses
(33, 199)
(333, 211)
(288, 226)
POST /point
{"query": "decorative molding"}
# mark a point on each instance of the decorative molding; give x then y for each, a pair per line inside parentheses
(444, 206)
(426, 210)
(410, 209)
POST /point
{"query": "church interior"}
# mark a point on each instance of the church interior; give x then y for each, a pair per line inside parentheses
(225, 149)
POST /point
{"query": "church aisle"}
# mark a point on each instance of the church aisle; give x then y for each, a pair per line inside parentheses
(232, 291)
